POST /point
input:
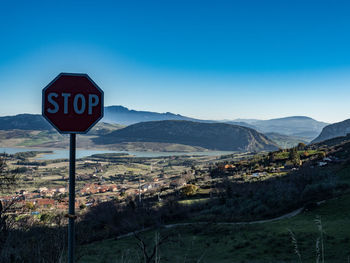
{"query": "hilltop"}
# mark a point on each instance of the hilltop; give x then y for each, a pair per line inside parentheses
(214, 136)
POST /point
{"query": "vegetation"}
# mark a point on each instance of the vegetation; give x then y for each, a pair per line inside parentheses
(189, 190)
(7, 181)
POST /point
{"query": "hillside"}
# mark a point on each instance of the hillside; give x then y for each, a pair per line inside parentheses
(214, 136)
(334, 130)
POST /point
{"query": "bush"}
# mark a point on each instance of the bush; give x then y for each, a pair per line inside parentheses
(189, 190)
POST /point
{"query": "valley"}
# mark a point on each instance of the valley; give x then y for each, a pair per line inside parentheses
(204, 196)
(200, 190)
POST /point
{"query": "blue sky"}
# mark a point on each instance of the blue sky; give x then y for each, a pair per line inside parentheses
(204, 59)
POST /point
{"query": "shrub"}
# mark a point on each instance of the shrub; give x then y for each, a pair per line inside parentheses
(189, 190)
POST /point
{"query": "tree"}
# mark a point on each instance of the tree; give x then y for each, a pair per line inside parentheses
(7, 181)
(272, 157)
(294, 156)
(189, 190)
(321, 155)
(30, 206)
(151, 254)
(301, 146)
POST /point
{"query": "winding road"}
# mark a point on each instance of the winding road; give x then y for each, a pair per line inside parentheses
(288, 215)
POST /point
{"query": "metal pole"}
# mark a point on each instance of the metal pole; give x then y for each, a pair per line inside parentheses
(71, 213)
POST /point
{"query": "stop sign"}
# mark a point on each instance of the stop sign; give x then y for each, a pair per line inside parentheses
(72, 103)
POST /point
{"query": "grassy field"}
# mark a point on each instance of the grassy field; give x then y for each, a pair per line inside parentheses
(265, 242)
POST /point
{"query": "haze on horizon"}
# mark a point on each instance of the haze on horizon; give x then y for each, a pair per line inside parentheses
(222, 60)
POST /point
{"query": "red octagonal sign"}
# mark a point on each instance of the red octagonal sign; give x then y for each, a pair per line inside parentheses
(72, 103)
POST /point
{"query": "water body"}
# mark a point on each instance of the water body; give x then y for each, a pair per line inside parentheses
(80, 153)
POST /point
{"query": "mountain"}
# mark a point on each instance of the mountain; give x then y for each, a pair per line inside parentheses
(124, 116)
(24, 122)
(213, 136)
(334, 130)
(297, 126)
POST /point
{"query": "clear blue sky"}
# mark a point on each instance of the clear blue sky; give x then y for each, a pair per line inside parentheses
(204, 59)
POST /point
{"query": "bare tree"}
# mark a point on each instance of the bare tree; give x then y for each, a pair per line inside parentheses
(151, 254)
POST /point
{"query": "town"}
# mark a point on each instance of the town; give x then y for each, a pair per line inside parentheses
(42, 185)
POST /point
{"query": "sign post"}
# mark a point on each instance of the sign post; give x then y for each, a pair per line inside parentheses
(71, 209)
(73, 104)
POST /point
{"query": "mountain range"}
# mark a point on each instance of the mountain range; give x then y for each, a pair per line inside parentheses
(296, 126)
(286, 132)
(124, 116)
(212, 136)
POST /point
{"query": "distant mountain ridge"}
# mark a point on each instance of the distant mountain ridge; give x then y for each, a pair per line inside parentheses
(213, 136)
(124, 116)
(302, 127)
(297, 126)
(334, 130)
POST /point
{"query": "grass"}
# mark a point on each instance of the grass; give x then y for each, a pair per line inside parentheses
(193, 201)
(268, 242)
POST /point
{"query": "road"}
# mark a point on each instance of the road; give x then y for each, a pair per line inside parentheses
(288, 215)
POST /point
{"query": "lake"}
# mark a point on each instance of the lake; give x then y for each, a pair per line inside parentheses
(80, 153)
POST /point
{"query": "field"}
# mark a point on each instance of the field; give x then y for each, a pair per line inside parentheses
(260, 242)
